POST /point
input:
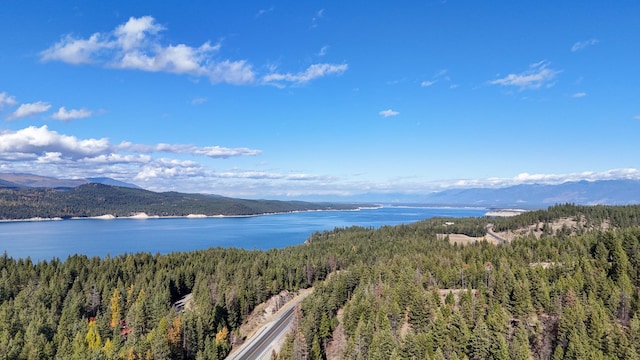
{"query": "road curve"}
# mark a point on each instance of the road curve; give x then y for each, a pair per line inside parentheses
(494, 235)
(261, 344)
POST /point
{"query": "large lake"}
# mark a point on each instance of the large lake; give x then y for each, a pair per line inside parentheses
(44, 240)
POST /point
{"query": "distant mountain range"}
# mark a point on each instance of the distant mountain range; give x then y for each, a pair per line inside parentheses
(603, 192)
(17, 180)
(529, 196)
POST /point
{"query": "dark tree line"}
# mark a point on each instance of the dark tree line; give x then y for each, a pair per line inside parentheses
(96, 199)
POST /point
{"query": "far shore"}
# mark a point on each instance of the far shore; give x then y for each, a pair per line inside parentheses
(145, 216)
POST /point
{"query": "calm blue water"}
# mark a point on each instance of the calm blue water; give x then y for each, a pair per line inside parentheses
(48, 239)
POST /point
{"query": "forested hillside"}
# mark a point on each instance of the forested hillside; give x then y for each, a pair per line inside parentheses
(403, 294)
(97, 199)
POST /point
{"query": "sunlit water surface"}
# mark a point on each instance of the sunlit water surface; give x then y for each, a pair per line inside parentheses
(43, 240)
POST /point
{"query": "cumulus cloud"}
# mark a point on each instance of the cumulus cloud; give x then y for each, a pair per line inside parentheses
(67, 115)
(29, 109)
(536, 76)
(77, 51)
(136, 45)
(313, 72)
(580, 45)
(7, 100)
(33, 141)
(388, 113)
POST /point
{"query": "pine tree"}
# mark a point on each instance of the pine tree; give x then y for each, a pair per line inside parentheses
(519, 349)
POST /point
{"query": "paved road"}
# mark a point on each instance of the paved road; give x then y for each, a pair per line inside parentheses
(494, 235)
(261, 344)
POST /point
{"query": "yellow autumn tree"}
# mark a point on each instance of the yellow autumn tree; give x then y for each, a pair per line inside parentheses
(114, 306)
(222, 335)
(93, 337)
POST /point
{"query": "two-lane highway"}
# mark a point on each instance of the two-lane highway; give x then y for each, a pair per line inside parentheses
(261, 344)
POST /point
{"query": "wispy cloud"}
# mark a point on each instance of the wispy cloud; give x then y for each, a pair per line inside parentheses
(323, 50)
(579, 95)
(637, 117)
(7, 100)
(427, 83)
(68, 115)
(388, 113)
(580, 45)
(136, 45)
(262, 175)
(208, 151)
(312, 72)
(318, 15)
(199, 100)
(262, 12)
(538, 75)
(29, 109)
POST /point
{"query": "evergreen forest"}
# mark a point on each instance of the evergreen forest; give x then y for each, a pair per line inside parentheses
(396, 292)
(94, 199)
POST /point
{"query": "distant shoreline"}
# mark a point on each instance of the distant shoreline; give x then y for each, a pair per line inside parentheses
(145, 216)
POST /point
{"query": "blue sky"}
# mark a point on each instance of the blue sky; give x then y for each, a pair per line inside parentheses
(289, 99)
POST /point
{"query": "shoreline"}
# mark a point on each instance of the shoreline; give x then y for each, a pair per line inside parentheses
(145, 216)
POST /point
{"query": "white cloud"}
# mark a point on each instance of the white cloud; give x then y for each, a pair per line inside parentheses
(77, 51)
(263, 175)
(579, 95)
(583, 44)
(548, 179)
(536, 76)
(66, 115)
(232, 72)
(132, 34)
(169, 169)
(29, 109)
(40, 143)
(323, 50)
(427, 83)
(264, 11)
(136, 45)
(199, 100)
(313, 72)
(33, 141)
(208, 151)
(7, 100)
(318, 15)
(388, 113)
